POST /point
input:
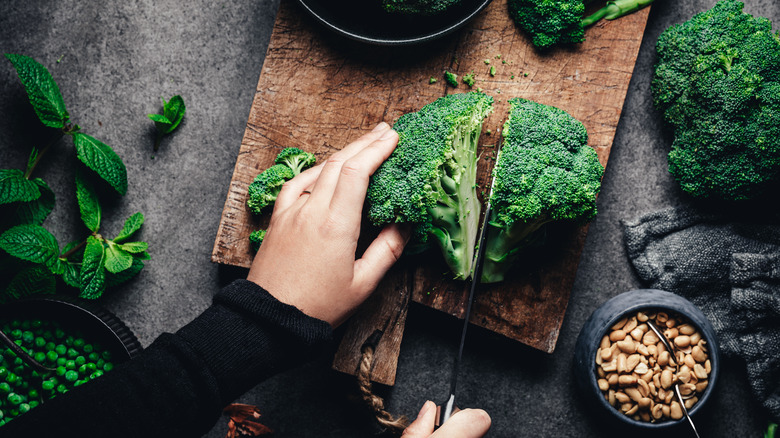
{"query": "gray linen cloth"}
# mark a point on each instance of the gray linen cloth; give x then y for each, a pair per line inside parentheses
(730, 269)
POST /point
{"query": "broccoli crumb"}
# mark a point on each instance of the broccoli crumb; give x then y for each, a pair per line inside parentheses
(503, 61)
(488, 132)
(512, 77)
(525, 74)
(492, 70)
(432, 80)
(487, 62)
(498, 56)
(469, 79)
(479, 89)
(451, 78)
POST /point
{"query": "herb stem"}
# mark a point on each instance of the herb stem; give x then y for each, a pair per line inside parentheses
(31, 167)
(73, 250)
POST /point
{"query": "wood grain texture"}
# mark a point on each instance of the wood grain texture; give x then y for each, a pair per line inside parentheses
(318, 92)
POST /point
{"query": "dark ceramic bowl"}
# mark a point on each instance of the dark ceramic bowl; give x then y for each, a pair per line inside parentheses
(96, 323)
(610, 313)
(365, 21)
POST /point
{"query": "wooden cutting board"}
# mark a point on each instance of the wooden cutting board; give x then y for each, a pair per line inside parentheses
(318, 92)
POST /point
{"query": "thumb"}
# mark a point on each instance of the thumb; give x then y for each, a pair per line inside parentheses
(468, 423)
(422, 427)
(380, 255)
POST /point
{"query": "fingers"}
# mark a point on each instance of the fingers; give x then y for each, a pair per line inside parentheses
(326, 183)
(380, 255)
(468, 423)
(291, 190)
(350, 190)
(422, 427)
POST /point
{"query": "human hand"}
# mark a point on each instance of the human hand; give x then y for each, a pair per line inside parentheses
(307, 258)
(468, 423)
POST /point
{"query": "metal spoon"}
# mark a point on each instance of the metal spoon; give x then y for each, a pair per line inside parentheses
(671, 350)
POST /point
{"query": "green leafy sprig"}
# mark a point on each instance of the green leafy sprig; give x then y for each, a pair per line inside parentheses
(168, 121)
(31, 260)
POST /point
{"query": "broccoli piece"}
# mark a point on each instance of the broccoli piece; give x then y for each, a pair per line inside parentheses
(263, 191)
(551, 22)
(256, 238)
(296, 159)
(430, 178)
(492, 70)
(266, 187)
(418, 7)
(451, 78)
(432, 80)
(545, 172)
(717, 82)
(469, 79)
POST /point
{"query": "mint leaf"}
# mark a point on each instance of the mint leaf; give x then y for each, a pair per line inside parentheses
(135, 247)
(174, 111)
(93, 273)
(34, 244)
(14, 187)
(88, 203)
(117, 279)
(72, 275)
(99, 157)
(161, 122)
(34, 279)
(42, 91)
(33, 212)
(132, 224)
(117, 259)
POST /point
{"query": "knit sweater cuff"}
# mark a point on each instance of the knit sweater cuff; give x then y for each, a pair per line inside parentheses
(248, 336)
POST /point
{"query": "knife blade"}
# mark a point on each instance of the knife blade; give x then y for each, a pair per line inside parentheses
(448, 408)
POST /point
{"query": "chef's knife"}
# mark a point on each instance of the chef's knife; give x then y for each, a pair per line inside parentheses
(449, 408)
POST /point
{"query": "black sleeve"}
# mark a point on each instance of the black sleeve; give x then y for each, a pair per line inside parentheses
(178, 386)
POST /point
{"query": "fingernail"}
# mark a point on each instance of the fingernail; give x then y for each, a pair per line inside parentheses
(389, 134)
(381, 127)
(426, 407)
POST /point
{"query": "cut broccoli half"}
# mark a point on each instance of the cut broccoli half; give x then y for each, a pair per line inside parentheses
(256, 238)
(545, 172)
(717, 81)
(262, 192)
(430, 178)
(418, 7)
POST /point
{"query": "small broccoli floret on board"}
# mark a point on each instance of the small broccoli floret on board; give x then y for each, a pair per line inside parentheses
(256, 238)
(430, 178)
(545, 172)
(262, 192)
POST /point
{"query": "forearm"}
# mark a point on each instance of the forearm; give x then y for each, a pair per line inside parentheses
(178, 386)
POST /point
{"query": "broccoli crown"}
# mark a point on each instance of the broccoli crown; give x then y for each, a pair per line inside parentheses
(430, 178)
(717, 81)
(545, 172)
(296, 159)
(549, 22)
(418, 7)
(256, 238)
(263, 191)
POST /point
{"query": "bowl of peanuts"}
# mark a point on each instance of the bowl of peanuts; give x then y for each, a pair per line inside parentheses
(622, 366)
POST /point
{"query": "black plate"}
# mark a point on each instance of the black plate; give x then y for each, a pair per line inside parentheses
(365, 21)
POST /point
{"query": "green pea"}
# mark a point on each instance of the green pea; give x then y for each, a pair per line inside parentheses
(59, 333)
(49, 345)
(106, 355)
(5, 388)
(108, 366)
(61, 361)
(72, 353)
(40, 342)
(61, 388)
(61, 349)
(88, 348)
(61, 370)
(91, 366)
(11, 378)
(28, 337)
(3, 372)
(71, 376)
(94, 356)
(16, 334)
(51, 356)
(78, 343)
(83, 369)
(33, 393)
(33, 403)
(40, 356)
(15, 399)
(24, 408)
(96, 374)
(81, 360)
(47, 385)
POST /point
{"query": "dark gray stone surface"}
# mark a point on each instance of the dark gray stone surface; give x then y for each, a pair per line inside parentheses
(113, 60)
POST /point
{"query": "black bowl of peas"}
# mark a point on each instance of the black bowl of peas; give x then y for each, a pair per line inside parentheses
(77, 340)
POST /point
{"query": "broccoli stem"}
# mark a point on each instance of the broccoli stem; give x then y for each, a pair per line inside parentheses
(615, 9)
(504, 246)
(455, 218)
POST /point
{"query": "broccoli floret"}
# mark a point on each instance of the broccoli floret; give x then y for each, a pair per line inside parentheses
(451, 78)
(430, 178)
(296, 159)
(717, 81)
(550, 22)
(256, 238)
(545, 172)
(418, 7)
(266, 186)
(263, 191)
(469, 79)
